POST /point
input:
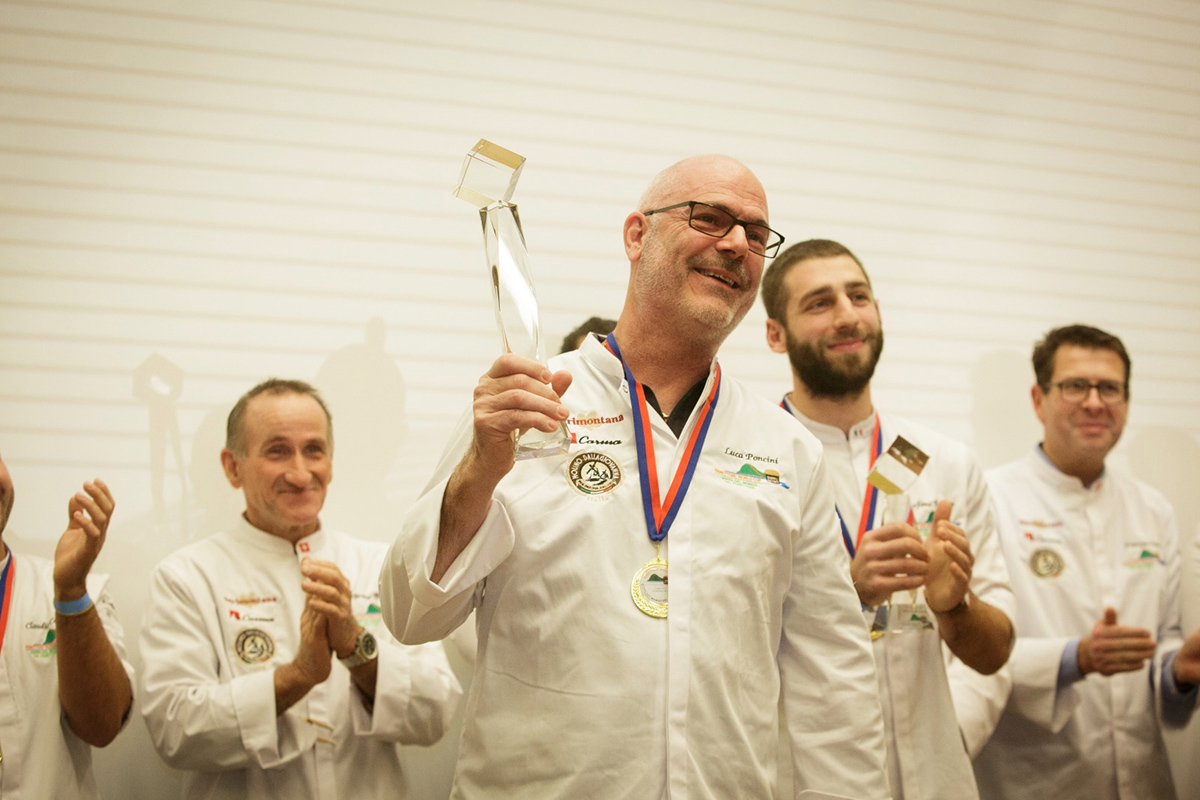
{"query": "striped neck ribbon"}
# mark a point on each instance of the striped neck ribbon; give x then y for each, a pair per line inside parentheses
(870, 498)
(7, 580)
(660, 513)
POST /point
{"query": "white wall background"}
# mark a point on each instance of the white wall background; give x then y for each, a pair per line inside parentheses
(194, 196)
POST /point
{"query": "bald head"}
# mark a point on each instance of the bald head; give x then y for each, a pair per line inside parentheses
(685, 178)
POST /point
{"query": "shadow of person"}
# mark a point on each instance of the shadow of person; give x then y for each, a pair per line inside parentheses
(1002, 418)
(365, 393)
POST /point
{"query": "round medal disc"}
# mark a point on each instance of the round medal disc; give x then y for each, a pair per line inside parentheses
(649, 588)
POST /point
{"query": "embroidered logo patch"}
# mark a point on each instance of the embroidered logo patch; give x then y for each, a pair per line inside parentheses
(372, 617)
(254, 646)
(1046, 563)
(1145, 559)
(751, 477)
(45, 648)
(593, 473)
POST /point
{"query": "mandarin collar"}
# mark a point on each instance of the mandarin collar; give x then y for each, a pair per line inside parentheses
(831, 434)
(276, 545)
(1045, 468)
(604, 360)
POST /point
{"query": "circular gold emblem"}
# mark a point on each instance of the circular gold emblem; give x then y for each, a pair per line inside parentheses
(254, 646)
(1046, 563)
(593, 473)
(649, 589)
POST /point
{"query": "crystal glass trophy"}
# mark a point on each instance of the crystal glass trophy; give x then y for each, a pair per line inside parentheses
(894, 473)
(907, 612)
(488, 179)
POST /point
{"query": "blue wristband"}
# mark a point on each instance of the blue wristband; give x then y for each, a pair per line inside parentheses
(75, 607)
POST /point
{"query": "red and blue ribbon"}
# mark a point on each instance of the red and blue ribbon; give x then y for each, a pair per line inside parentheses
(660, 513)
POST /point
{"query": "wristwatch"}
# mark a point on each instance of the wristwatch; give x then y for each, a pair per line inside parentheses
(365, 650)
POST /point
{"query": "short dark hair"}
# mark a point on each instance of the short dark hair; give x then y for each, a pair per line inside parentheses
(591, 325)
(235, 435)
(1080, 336)
(774, 295)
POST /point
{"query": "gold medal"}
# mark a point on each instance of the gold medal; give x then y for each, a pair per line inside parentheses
(649, 588)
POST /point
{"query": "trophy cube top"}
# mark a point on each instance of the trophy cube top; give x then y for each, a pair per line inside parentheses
(489, 175)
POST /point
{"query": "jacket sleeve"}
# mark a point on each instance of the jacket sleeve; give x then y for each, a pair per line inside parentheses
(415, 609)
(416, 692)
(1173, 711)
(979, 700)
(198, 718)
(830, 695)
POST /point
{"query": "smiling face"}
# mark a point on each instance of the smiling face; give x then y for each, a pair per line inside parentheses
(1080, 434)
(287, 464)
(691, 283)
(831, 331)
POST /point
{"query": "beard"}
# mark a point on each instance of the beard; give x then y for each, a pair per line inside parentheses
(826, 378)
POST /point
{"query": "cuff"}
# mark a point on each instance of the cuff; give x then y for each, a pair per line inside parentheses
(1068, 667)
(254, 705)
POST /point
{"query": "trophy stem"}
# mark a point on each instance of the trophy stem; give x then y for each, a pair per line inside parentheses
(489, 175)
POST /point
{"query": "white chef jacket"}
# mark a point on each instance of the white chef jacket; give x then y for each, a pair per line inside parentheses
(1073, 550)
(925, 689)
(223, 614)
(42, 756)
(577, 693)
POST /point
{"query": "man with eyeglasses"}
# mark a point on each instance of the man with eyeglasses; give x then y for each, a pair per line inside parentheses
(941, 681)
(1093, 554)
(588, 682)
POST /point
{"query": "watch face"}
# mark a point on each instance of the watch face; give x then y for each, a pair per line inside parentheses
(366, 645)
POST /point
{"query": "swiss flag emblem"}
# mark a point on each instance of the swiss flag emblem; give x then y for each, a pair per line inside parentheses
(304, 547)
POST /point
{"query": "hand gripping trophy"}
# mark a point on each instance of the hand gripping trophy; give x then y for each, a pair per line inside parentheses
(489, 176)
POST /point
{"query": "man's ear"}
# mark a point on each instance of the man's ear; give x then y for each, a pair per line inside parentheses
(634, 234)
(776, 336)
(232, 469)
(1039, 398)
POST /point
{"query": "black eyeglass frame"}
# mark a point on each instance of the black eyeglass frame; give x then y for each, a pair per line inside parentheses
(769, 250)
(1121, 387)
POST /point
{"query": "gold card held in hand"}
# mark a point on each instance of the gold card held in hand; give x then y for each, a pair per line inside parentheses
(897, 469)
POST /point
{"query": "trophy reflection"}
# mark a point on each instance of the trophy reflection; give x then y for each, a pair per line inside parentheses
(489, 176)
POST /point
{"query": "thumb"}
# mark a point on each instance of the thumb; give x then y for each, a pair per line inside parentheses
(942, 513)
(1110, 616)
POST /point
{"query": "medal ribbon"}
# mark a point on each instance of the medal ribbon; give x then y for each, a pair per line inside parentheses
(870, 498)
(7, 580)
(660, 514)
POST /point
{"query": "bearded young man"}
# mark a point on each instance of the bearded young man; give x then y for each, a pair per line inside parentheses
(822, 312)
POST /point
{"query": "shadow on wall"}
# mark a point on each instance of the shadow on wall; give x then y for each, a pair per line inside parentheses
(1002, 417)
(364, 390)
(1169, 460)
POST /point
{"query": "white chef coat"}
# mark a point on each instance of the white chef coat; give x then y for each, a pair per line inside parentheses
(42, 756)
(223, 614)
(577, 693)
(1073, 550)
(925, 690)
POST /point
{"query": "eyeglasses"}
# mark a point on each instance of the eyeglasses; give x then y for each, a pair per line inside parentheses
(716, 222)
(1076, 390)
